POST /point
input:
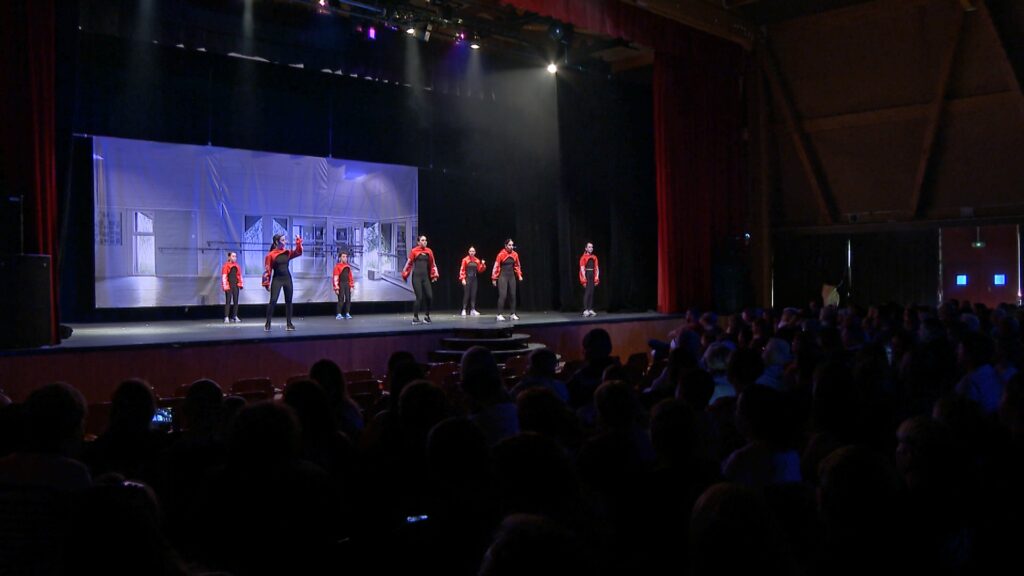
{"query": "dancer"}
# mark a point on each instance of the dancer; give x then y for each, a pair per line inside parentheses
(276, 277)
(504, 275)
(590, 276)
(471, 268)
(344, 284)
(231, 283)
(424, 271)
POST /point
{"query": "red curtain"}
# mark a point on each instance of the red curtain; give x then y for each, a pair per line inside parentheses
(700, 158)
(28, 139)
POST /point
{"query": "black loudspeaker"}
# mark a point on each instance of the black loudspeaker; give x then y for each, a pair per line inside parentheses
(27, 320)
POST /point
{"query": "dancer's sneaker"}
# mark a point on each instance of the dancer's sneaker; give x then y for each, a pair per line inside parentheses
(339, 317)
(266, 327)
(592, 313)
(463, 312)
(514, 317)
(237, 320)
(501, 318)
(226, 319)
(290, 327)
(474, 313)
(348, 316)
(415, 320)
(426, 319)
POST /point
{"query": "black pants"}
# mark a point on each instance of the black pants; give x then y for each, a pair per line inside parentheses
(506, 291)
(424, 294)
(588, 292)
(276, 285)
(231, 302)
(469, 294)
(344, 299)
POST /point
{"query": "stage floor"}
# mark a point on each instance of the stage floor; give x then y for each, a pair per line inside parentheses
(250, 330)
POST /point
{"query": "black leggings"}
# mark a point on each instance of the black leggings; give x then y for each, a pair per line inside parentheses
(276, 285)
(506, 291)
(424, 294)
(344, 299)
(588, 292)
(469, 294)
(231, 302)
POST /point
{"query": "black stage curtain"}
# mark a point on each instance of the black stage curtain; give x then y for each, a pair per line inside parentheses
(550, 166)
(801, 264)
(900, 267)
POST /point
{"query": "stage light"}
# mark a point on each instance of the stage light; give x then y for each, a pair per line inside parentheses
(961, 279)
(411, 31)
(371, 33)
(552, 68)
(475, 45)
(999, 279)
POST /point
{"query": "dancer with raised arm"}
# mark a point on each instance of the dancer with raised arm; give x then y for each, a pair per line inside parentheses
(277, 277)
(505, 274)
(423, 269)
(468, 272)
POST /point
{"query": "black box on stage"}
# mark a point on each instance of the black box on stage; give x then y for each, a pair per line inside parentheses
(29, 316)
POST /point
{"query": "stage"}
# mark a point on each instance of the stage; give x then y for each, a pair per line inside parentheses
(169, 353)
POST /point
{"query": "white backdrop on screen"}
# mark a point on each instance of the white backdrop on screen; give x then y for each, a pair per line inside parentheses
(167, 214)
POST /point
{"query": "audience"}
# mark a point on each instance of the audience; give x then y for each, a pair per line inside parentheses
(851, 439)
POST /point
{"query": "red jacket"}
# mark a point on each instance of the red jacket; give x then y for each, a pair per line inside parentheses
(416, 251)
(268, 262)
(225, 270)
(338, 269)
(583, 271)
(501, 258)
(471, 260)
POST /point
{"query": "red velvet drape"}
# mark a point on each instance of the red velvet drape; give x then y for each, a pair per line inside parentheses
(28, 135)
(700, 158)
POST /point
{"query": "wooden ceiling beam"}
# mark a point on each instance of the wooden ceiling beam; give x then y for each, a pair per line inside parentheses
(935, 107)
(812, 171)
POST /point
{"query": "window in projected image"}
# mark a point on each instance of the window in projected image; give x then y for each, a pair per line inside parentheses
(166, 216)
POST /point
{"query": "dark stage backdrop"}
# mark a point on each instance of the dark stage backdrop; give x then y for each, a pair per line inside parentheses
(503, 150)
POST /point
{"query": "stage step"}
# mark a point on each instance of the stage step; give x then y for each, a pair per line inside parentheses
(512, 342)
(447, 355)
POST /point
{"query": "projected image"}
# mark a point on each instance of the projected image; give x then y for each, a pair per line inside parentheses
(168, 214)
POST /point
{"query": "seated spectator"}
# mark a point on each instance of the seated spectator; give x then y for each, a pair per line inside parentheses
(541, 374)
(530, 544)
(728, 514)
(597, 351)
(776, 357)
(129, 444)
(490, 406)
(980, 382)
(54, 421)
(544, 413)
(716, 361)
(763, 417)
(348, 416)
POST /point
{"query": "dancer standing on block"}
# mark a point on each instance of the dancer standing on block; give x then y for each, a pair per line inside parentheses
(231, 283)
(504, 275)
(424, 271)
(470, 269)
(590, 276)
(344, 283)
(276, 277)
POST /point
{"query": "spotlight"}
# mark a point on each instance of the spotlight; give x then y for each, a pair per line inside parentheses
(411, 31)
(552, 68)
(475, 44)
(371, 33)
